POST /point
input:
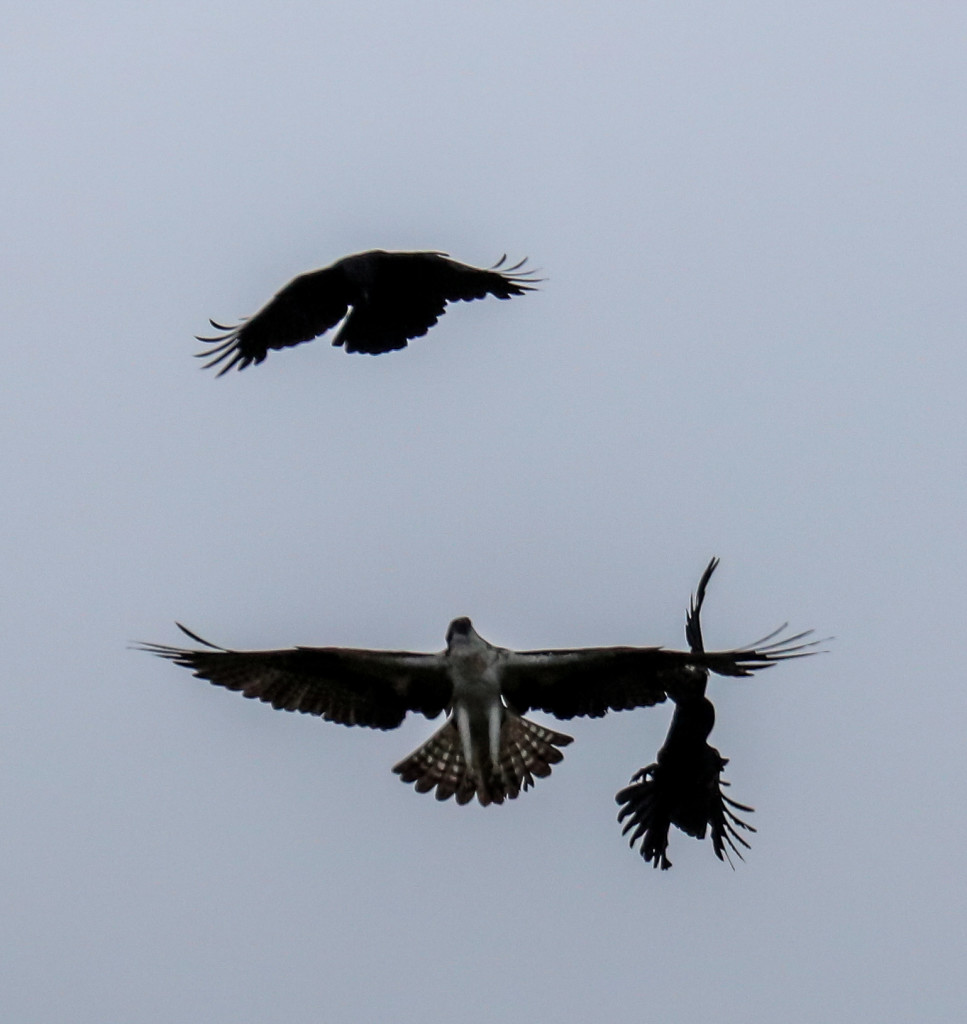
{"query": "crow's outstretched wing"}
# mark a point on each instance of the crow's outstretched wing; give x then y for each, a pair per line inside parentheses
(306, 307)
(343, 685)
(407, 293)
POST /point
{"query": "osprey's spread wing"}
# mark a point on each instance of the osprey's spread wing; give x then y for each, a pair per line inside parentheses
(350, 687)
(588, 681)
(594, 680)
(391, 298)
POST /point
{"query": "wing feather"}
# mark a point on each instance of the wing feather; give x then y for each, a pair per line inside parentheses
(586, 682)
(683, 788)
(383, 326)
(459, 282)
(406, 293)
(350, 687)
(595, 680)
(306, 307)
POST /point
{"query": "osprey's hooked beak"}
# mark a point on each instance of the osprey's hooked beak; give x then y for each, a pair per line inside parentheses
(461, 627)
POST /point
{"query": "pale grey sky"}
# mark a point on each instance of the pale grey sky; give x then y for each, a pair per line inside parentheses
(750, 343)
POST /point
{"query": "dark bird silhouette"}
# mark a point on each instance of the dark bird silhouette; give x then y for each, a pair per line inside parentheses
(684, 786)
(486, 747)
(391, 298)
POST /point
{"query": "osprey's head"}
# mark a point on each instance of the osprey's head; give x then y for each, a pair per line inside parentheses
(459, 629)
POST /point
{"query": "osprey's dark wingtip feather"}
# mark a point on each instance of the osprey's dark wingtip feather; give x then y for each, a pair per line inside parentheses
(198, 639)
(178, 654)
(762, 653)
(760, 656)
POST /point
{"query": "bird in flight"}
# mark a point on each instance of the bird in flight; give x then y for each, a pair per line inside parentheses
(486, 748)
(684, 786)
(391, 298)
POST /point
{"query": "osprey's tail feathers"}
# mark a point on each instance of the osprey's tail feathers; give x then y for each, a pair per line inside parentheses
(439, 763)
(527, 751)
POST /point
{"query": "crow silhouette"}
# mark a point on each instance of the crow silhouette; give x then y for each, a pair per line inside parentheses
(390, 298)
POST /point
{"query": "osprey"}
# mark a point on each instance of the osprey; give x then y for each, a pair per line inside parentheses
(391, 298)
(684, 786)
(486, 747)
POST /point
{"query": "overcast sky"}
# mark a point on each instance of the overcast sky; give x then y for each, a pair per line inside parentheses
(752, 221)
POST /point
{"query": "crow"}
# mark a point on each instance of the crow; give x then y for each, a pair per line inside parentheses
(391, 298)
